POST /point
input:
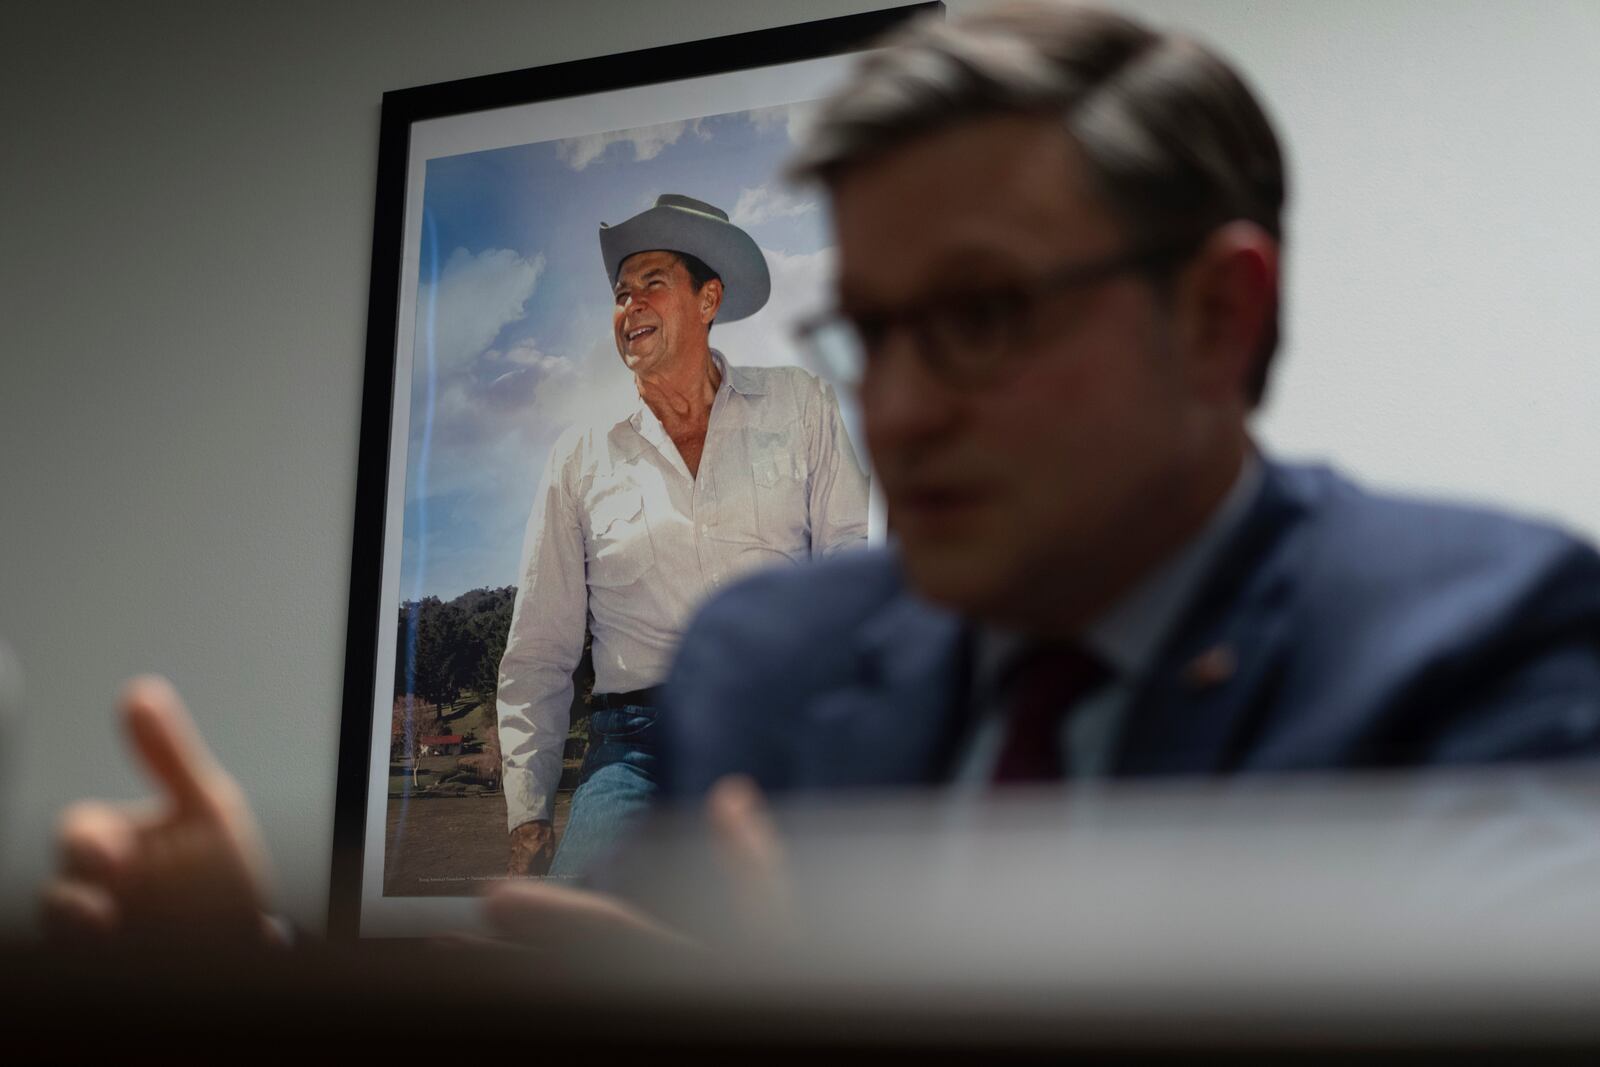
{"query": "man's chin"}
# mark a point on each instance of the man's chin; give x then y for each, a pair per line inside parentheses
(956, 575)
(638, 353)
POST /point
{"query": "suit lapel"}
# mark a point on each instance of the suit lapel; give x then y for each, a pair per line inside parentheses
(900, 720)
(1217, 672)
(898, 723)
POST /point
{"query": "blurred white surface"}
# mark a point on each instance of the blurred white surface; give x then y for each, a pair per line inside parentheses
(1311, 906)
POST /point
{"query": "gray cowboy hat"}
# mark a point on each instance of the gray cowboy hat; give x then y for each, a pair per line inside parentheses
(683, 224)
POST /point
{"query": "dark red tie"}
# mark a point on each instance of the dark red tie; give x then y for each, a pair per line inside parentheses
(1044, 687)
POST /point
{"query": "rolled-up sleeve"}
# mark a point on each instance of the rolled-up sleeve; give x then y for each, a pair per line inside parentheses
(534, 697)
(838, 490)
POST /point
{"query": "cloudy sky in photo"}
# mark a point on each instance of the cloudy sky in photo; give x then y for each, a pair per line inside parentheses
(513, 329)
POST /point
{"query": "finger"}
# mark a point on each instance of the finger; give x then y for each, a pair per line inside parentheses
(744, 828)
(97, 841)
(169, 743)
(76, 911)
(751, 854)
(530, 910)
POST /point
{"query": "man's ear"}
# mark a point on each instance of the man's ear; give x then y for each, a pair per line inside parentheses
(1227, 299)
(710, 299)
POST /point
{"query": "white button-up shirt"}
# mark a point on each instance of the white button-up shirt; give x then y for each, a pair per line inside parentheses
(623, 537)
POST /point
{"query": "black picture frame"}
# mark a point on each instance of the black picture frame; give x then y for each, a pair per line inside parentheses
(401, 111)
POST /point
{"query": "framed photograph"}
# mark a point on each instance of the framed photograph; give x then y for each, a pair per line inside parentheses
(556, 252)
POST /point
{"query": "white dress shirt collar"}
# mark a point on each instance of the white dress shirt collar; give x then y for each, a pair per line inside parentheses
(1129, 635)
(647, 425)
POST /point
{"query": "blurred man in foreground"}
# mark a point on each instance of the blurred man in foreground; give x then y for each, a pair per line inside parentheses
(1059, 241)
(1059, 238)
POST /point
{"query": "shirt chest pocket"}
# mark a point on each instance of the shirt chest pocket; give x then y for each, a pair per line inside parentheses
(761, 492)
(618, 550)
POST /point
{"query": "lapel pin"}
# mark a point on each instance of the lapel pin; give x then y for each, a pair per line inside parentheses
(1211, 668)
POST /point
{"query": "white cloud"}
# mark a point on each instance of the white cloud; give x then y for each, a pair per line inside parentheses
(796, 119)
(766, 118)
(766, 202)
(495, 416)
(526, 353)
(519, 378)
(802, 285)
(648, 142)
(480, 394)
(475, 298)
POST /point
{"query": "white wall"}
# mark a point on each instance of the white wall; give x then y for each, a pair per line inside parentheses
(187, 199)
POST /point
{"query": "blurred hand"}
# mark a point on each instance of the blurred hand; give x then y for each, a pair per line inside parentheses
(532, 849)
(189, 868)
(547, 915)
(752, 859)
(751, 856)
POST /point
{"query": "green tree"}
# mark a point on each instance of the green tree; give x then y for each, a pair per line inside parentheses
(444, 649)
(441, 651)
(489, 627)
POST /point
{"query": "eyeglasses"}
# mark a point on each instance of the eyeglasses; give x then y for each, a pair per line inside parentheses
(965, 339)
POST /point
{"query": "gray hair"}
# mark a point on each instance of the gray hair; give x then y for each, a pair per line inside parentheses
(1176, 143)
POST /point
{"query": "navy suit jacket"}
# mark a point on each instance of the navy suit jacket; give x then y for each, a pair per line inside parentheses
(1362, 631)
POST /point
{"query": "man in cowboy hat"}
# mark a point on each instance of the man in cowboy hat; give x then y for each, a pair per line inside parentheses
(715, 470)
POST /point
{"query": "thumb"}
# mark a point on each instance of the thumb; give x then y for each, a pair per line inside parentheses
(169, 744)
(743, 827)
(752, 855)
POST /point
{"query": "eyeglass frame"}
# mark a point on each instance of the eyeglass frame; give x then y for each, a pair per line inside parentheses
(1160, 257)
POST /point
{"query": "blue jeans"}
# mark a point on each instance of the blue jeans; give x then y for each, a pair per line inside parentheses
(615, 788)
